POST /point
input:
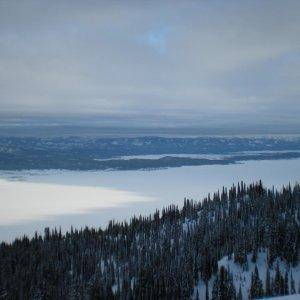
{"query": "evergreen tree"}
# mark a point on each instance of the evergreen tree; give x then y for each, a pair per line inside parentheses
(206, 291)
(223, 288)
(268, 288)
(256, 288)
(293, 290)
(277, 281)
(239, 295)
(286, 283)
(197, 295)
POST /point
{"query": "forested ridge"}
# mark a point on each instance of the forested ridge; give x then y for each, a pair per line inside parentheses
(86, 153)
(163, 255)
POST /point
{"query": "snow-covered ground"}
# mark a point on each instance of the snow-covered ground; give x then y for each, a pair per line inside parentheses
(32, 200)
(157, 156)
(290, 297)
(242, 277)
(23, 201)
(199, 156)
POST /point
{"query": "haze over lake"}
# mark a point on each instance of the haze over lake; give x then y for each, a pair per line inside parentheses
(32, 200)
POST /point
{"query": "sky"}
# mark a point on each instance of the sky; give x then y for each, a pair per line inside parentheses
(156, 63)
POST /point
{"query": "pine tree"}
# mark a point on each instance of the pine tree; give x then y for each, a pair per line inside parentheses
(277, 281)
(286, 283)
(239, 295)
(215, 289)
(254, 255)
(268, 289)
(223, 288)
(256, 288)
(96, 291)
(206, 291)
(197, 295)
(293, 290)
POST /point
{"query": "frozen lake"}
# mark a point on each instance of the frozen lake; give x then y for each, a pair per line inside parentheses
(32, 200)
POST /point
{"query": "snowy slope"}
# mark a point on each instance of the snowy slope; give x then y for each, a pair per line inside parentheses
(242, 277)
(290, 297)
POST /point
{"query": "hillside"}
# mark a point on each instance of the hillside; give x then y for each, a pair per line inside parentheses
(241, 275)
(228, 242)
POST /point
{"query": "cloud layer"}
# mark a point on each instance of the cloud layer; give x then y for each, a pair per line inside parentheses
(212, 61)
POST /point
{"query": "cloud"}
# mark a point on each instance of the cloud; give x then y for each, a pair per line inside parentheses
(204, 59)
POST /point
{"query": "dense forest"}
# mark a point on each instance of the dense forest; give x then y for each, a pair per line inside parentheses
(166, 254)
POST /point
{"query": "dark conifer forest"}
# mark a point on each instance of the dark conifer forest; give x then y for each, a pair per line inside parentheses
(163, 255)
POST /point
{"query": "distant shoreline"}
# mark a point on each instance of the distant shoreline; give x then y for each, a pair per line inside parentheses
(140, 153)
(144, 164)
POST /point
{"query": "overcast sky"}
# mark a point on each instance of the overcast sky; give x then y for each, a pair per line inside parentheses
(197, 61)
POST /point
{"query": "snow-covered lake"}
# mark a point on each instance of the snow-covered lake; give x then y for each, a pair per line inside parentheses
(32, 200)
